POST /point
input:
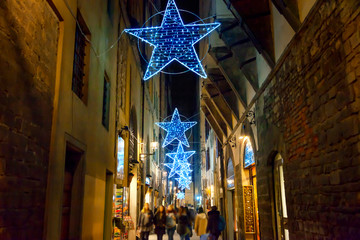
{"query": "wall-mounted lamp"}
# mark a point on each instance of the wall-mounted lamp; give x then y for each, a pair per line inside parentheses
(154, 146)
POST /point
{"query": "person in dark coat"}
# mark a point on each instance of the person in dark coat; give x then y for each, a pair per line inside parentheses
(183, 224)
(171, 222)
(145, 224)
(213, 223)
(160, 222)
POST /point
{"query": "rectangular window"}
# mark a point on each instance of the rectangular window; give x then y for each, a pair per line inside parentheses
(81, 59)
(110, 9)
(207, 130)
(106, 103)
(207, 160)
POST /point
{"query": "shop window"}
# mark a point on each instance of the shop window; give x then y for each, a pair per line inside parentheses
(81, 59)
(106, 103)
(230, 175)
(280, 200)
(249, 159)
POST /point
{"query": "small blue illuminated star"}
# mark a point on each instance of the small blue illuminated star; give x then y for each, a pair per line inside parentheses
(183, 182)
(176, 129)
(180, 195)
(180, 163)
(173, 40)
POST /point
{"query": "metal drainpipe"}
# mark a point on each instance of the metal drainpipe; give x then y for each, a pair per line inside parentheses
(142, 119)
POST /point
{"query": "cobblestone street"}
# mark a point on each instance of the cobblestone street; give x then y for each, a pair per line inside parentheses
(176, 237)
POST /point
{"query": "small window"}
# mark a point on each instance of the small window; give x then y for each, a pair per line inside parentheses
(207, 130)
(81, 59)
(106, 103)
(207, 160)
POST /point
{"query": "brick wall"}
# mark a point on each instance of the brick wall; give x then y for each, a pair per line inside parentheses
(310, 114)
(28, 43)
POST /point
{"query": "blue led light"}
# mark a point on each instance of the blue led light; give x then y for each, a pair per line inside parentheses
(180, 164)
(176, 129)
(173, 41)
(180, 195)
(184, 181)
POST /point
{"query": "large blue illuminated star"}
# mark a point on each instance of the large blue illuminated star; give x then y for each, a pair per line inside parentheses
(173, 40)
(180, 164)
(176, 129)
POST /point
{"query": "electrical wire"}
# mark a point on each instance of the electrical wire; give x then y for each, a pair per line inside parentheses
(86, 37)
(98, 55)
(152, 3)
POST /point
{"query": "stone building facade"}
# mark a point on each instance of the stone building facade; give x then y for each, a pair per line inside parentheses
(309, 113)
(59, 137)
(27, 88)
(302, 121)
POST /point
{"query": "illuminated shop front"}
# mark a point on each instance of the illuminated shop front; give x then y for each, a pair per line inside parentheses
(122, 221)
(249, 192)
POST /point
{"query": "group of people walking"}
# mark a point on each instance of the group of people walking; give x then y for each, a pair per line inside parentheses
(208, 226)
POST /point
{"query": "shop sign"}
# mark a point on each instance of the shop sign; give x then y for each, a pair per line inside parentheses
(249, 209)
(120, 158)
(147, 181)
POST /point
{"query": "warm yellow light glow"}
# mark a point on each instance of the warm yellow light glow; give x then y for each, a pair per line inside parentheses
(154, 146)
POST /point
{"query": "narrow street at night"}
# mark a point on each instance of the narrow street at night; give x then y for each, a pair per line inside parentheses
(180, 119)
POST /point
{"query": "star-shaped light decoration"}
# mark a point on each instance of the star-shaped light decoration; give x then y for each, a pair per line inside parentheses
(180, 195)
(173, 41)
(180, 163)
(176, 129)
(183, 182)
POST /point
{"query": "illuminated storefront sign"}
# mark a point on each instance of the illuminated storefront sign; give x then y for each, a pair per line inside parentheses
(120, 158)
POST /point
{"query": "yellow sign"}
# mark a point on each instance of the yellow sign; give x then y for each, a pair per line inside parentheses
(249, 209)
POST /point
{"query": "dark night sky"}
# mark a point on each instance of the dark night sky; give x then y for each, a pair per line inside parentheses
(184, 87)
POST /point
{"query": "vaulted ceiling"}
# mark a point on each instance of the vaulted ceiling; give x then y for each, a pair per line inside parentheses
(246, 33)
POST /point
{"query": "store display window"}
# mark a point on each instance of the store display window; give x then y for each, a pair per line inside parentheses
(122, 221)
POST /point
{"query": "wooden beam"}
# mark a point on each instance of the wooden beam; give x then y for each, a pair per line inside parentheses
(226, 119)
(288, 14)
(213, 124)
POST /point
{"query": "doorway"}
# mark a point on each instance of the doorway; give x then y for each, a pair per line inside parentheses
(282, 229)
(230, 200)
(72, 194)
(252, 229)
(253, 182)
